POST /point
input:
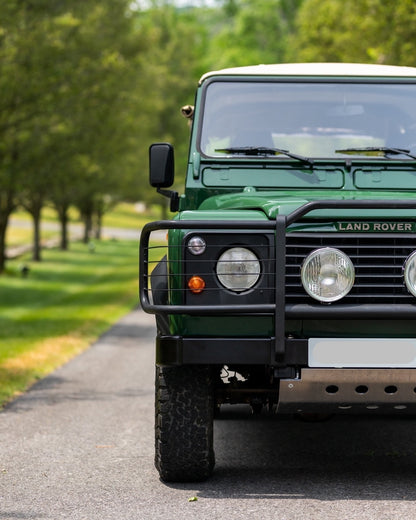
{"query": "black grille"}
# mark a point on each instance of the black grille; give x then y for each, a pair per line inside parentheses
(378, 260)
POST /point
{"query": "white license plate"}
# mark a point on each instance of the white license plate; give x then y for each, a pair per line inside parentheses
(362, 352)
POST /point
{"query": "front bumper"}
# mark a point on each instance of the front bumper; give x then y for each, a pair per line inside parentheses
(178, 350)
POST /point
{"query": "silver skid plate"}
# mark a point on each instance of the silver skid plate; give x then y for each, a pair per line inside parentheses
(337, 390)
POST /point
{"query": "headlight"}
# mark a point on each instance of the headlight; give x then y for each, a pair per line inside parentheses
(327, 274)
(410, 273)
(238, 269)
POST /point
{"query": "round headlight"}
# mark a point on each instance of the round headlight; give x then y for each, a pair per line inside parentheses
(238, 269)
(327, 274)
(196, 245)
(410, 273)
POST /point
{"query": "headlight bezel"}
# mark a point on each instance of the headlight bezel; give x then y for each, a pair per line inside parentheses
(247, 278)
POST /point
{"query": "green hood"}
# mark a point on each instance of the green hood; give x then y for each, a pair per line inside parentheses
(273, 203)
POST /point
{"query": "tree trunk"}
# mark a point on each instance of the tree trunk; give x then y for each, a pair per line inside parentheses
(36, 254)
(63, 219)
(6, 208)
(3, 229)
(34, 207)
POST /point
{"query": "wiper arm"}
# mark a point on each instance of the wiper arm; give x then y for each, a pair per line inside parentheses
(385, 150)
(264, 150)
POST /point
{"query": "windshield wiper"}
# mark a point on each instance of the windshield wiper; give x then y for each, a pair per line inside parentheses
(385, 150)
(264, 150)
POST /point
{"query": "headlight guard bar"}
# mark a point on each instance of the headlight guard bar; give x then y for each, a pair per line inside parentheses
(279, 226)
(278, 309)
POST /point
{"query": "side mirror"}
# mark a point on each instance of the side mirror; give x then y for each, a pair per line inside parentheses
(161, 165)
(162, 171)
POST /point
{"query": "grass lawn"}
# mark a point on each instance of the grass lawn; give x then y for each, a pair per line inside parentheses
(64, 304)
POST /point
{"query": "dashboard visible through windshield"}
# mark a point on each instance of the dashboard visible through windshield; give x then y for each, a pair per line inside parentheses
(312, 119)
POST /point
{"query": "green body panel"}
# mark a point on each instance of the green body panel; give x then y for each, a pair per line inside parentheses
(260, 188)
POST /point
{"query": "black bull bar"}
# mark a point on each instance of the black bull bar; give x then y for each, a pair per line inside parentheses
(279, 309)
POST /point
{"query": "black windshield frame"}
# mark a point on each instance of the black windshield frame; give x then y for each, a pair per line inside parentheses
(320, 88)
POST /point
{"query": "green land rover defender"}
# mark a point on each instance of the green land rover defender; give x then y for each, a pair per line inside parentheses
(287, 278)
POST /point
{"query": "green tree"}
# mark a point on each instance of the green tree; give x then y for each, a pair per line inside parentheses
(67, 72)
(20, 104)
(37, 165)
(371, 31)
(253, 32)
(171, 69)
(102, 64)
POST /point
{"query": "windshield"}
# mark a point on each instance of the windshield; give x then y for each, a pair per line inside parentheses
(312, 119)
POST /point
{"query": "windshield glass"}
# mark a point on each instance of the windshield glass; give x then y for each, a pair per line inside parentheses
(312, 119)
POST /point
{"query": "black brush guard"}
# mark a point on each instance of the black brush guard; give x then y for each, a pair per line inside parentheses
(278, 350)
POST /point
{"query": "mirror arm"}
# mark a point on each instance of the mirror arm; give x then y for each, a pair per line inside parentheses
(173, 196)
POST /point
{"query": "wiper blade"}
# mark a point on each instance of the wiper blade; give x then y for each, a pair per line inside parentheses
(264, 150)
(385, 150)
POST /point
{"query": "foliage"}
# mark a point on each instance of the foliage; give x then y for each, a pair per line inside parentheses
(175, 42)
(253, 31)
(368, 31)
(64, 76)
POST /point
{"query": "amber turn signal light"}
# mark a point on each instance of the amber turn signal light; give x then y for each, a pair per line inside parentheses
(196, 284)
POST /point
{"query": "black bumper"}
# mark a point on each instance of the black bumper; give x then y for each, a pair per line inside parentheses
(178, 350)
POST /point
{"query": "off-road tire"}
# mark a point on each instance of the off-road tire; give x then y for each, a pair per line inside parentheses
(184, 423)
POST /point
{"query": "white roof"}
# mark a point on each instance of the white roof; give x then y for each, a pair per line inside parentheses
(316, 69)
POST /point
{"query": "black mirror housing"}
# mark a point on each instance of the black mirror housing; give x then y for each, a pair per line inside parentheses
(161, 165)
(162, 171)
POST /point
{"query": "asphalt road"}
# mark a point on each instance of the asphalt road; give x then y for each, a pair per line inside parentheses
(79, 445)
